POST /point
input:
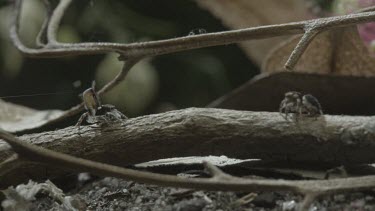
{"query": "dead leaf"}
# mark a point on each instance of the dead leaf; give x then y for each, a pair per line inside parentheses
(351, 56)
(215, 160)
(237, 14)
(14, 118)
(337, 94)
(339, 52)
(22, 196)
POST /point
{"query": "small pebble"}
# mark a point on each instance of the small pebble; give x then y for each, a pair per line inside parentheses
(289, 205)
(369, 198)
(339, 198)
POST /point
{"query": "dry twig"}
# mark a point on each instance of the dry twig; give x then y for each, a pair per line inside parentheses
(154, 48)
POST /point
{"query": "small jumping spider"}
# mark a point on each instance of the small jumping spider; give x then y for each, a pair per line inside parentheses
(297, 104)
(311, 105)
(292, 103)
(95, 111)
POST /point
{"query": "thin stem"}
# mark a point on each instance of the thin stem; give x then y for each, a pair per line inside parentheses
(212, 169)
(307, 201)
(11, 159)
(9, 164)
(120, 76)
(41, 39)
(46, 52)
(55, 20)
(300, 49)
(153, 48)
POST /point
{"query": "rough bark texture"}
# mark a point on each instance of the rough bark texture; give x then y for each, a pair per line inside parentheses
(200, 132)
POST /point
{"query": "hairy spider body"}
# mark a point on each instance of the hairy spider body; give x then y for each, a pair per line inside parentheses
(91, 100)
(296, 103)
(292, 103)
(311, 105)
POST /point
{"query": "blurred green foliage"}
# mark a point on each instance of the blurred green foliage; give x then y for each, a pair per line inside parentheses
(325, 4)
(192, 78)
(4, 2)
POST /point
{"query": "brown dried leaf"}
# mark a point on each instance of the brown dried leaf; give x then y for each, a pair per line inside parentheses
(14, 118)
(337, 94)
(351, 55)
(340, 52)
(238, 14)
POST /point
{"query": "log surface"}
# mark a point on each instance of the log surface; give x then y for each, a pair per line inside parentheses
(207, 131)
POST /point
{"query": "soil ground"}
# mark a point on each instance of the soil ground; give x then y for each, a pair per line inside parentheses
(116, 194)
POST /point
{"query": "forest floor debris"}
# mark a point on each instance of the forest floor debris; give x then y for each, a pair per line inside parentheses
(117, 194)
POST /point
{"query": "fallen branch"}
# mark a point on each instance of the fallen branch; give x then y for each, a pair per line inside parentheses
(219, 181)
(201, 132)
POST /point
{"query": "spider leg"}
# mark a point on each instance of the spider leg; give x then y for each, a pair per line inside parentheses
(282, 110)
(299, 107)
(282, 115)
(286, 114)
(81, 119)
(296, 117)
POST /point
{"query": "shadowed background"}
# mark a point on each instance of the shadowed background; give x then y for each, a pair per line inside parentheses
(192, 78)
